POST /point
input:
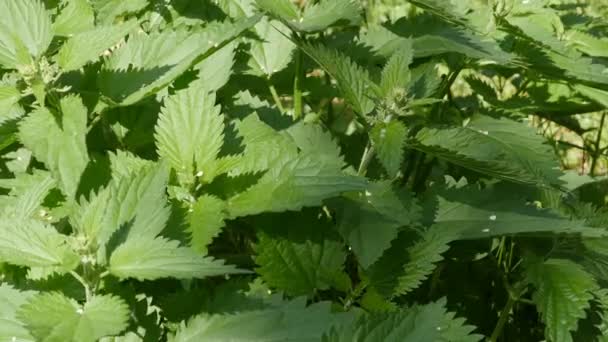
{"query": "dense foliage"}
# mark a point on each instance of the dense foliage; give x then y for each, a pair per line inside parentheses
(277, 170)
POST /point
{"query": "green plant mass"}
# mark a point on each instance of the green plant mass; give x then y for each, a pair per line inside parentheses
(301, 171)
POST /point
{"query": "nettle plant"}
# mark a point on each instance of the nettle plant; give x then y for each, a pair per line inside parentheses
(240, 170)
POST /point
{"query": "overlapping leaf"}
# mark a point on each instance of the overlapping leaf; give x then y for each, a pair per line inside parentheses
(153, 258)
(500, 148)
(563, 292)
(190, 133)
(25, 32)
(59, 142)
(149, 62)
(54, 317)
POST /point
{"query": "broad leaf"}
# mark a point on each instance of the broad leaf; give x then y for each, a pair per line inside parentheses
(477, 214)
(59, 142)
(25, 32)
(75, 17)
(10, 327)
(500, 148)
(147, 63)
(215, 70)
(85, 47)
(422, 257)
(306, 258)
(353, 81)
(429, 322)
(302, 182)
(153, 258)
(273, 52)
(563, 292)
(389, 141)
(206, 221)
(371, 219)
(53, 317)
(291, 322)
(29, 242)
(190, 133)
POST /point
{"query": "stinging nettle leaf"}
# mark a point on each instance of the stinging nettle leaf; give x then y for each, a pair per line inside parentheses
(206, 221)
(500, 148)
(149, 258)
(148, 63)
(190, 133)
(29, 242)
(10, 327)
(273, 52)
(306, 258)
(86, 47)
(289, 322)
(75, 17)
(389, 141)
(353, 81)
(59, 142)
(563, 292)
(25, 27)
(369, 220)
(53, 317)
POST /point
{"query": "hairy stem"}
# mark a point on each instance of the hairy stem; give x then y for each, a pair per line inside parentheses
(502, 319)
(297, 86)
(87, 290)
(276, 98)
(368, 154)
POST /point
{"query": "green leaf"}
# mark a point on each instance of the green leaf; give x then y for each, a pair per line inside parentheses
(284, 9)
(264, 146)
(302, 260)
(316, 17)
(206, 221)
(136, 206)
(28, 242)
(59, 142)
(326, 13)
(301, 182)
(75, 17)
(273, 52)
(500, 148)
(215, 70)
(563, 292)
(428, 322)
(11, 329)
(190, 133)
(588, 44)
(109, 10)
(396, 74)
(423, 256)
(353, 81)
(25, 28)
(53, 317)
(389, 141)
(9, 104)
(314, 140)
(497, 211)
(148, 63)
(31, 199)
(291, 322)
(85, 47)
(148, 258)
(371, 219)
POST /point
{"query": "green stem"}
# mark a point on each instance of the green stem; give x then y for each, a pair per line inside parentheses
(275, 96)
(297, 86)
(87, 290)
(596, 150)
(502, 320)
(368, 154)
